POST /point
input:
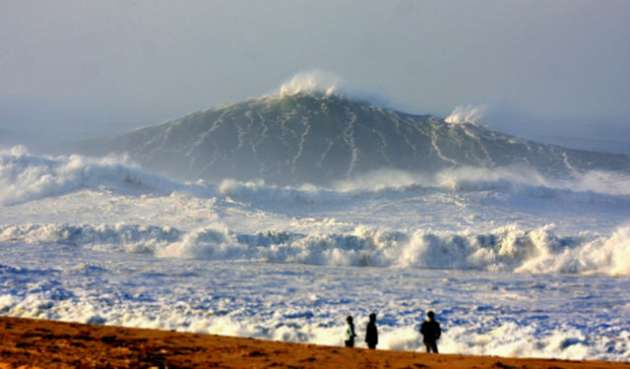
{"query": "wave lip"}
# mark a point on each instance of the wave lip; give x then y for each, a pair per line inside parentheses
(311, 82)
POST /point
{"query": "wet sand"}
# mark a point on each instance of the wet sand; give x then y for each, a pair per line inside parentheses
(30, 343)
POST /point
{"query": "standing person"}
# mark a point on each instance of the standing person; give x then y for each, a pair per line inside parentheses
(371, 333)
(350, 334)
(431, 332)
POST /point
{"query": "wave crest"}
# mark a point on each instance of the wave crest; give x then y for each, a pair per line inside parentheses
(467, 114)
(315, 81)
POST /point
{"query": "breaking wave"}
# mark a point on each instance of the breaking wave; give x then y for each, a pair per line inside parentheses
(319, 82)
(471, 114)
(26, 177)
(507, 179)
(311, 82)
(512, 185)
(505, 249)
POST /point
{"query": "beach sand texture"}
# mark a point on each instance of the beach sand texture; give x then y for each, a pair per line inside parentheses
(26, 343)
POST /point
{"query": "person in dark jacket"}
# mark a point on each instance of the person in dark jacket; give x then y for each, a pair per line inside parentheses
(371, 333)
(431, 332)
(350, 334)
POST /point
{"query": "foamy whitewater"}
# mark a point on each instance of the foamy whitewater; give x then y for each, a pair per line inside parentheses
(513, 263)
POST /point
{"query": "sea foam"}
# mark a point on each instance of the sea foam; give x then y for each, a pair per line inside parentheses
(505, 249)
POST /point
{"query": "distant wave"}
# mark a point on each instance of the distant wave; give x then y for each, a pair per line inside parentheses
(515, 185)
(510, 179)
(26, 177)
(508, 249)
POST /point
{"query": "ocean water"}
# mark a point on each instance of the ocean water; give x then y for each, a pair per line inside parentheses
(512, 262)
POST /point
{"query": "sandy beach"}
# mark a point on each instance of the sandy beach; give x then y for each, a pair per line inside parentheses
(27, 343)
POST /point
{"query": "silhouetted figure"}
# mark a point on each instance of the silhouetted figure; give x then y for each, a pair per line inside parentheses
(350, 334)
(431, 332)
(371, 333)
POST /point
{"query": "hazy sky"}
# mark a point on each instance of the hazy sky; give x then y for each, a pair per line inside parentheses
(91, 67)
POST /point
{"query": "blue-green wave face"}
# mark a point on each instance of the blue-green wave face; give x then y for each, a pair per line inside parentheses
(321, 137)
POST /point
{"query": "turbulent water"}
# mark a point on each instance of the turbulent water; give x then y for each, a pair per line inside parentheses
(513, 262)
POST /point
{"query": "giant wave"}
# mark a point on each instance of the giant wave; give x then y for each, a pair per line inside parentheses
(314, 129)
